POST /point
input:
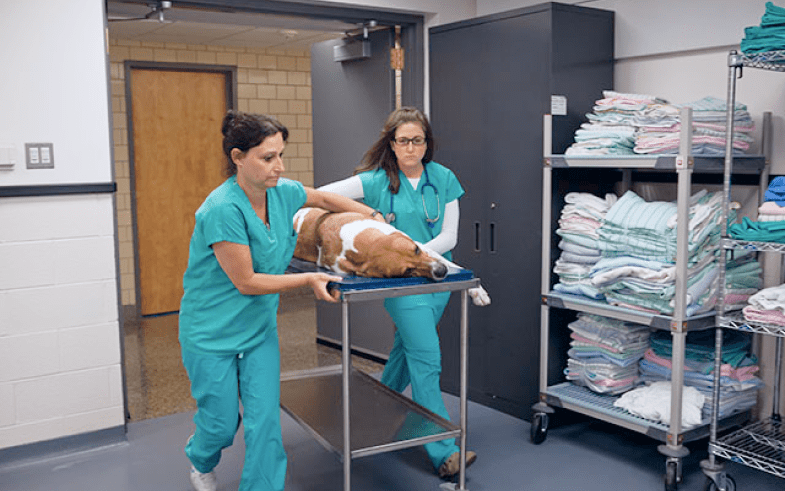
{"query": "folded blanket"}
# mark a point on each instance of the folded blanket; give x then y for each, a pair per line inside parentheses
(609, 331)
(600, 376)
(654, 402)
(771, 208)
(775, 317)
(577, 249)
(758, 231)
(762, 217)
(734, 395)
(700, 346)
(771, 298)
(741, 373)
(773, 16)
(769, 35)
(582, 289)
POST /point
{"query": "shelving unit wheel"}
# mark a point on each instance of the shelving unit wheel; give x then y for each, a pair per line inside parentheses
(672, 477)
(728, 484)
(539, 428)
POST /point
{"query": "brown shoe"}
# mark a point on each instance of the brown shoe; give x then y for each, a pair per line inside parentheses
(452, 465)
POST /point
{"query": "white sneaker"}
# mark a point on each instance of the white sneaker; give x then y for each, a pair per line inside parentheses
(203, 482)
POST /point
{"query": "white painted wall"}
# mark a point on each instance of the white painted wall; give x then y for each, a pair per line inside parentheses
(60, 371)
(678, 50)
(48, 97)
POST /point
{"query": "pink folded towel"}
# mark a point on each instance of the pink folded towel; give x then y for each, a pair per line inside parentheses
(771, 208)
(775, 317)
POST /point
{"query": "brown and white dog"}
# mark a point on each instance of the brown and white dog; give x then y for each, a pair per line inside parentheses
(355, 244)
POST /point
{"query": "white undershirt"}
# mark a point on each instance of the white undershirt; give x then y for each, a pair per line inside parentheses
(352, 187)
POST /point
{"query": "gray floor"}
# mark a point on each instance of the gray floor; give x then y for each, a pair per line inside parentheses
(585, 455)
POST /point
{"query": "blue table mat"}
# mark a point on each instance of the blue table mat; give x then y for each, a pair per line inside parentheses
(354, 283)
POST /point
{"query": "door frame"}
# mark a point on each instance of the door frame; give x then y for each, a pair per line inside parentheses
(231, 102)
(412, 29)
(412, 41)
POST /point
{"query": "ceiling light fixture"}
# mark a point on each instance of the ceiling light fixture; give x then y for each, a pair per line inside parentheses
(157, 11)
(289, 34)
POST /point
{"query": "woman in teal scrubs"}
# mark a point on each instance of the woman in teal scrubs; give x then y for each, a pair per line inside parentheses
(419, 197)
(242, 243)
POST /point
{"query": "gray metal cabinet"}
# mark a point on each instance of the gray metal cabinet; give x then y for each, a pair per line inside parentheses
(492, 78)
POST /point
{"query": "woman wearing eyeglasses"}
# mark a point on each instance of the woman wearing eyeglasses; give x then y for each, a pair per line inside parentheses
(419, 197)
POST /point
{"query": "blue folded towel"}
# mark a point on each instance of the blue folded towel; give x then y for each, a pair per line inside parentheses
(776, 191)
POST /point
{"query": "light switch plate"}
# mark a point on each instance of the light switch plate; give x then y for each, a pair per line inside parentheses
(39, 155)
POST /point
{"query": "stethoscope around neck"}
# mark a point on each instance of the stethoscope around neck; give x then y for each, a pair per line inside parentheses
(390, 217)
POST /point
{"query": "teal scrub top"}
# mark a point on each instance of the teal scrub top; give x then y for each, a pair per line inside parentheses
(214, 316)
(410, 212)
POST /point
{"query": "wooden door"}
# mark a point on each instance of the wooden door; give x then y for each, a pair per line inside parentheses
(177, 161)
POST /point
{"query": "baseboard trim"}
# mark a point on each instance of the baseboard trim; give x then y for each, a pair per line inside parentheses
(22, 455)
(57, 189)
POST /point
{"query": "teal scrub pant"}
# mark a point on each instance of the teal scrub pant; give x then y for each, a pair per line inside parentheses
(216, 382)
(416, 358)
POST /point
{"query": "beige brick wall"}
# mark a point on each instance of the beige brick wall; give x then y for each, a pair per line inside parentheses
(274, 82)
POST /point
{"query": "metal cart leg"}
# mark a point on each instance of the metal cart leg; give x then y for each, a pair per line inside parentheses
(464, 382)
(673, 449)
(713, 468)
(541, 410)
(346, 361)
(775, 413)
(464, 397)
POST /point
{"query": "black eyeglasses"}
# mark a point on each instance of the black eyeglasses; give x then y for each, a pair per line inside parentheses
(417, 140)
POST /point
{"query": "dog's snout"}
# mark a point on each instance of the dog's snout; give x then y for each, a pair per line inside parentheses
(439, 271)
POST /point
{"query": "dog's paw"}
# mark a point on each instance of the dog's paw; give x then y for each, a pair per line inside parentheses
(479, 296)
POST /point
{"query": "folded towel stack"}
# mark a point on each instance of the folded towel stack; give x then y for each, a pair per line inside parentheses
(770, 226)
(580, 218)
(769, 35)
(770, 211)
(638, 243)
(609, 130)
(629, 260)
(658, 128)
(628, 124)
(767, 306)
(743, 278)
(738, 384)
(604, 353)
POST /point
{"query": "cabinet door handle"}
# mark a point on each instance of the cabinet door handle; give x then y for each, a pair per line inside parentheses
(476, 236)
(492, 241)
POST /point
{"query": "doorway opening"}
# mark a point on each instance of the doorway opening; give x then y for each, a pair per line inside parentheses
(268, 55)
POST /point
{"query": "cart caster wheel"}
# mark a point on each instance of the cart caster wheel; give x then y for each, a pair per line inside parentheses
(671, 476)
(730, 484)
(539, 428)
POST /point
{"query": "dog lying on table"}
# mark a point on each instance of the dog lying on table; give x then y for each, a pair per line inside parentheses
(353, 243)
